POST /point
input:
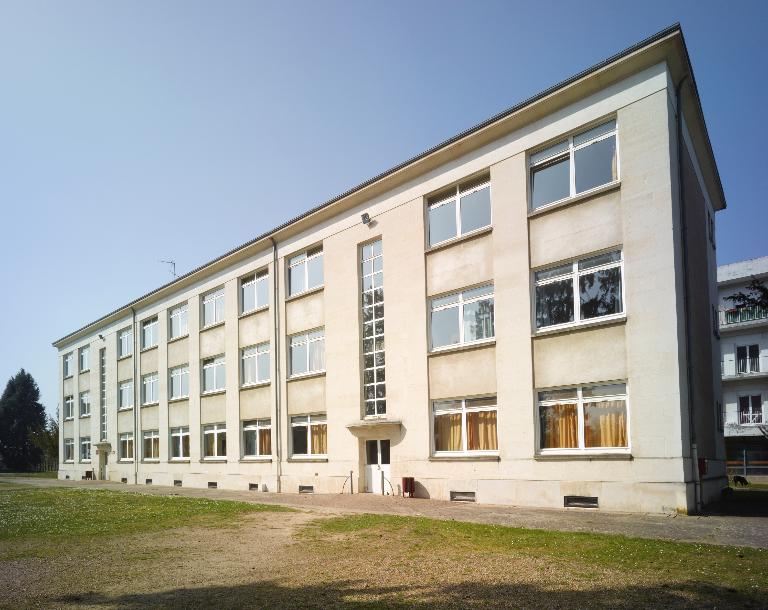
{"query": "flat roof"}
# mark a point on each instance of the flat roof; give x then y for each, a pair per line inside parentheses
(741, 270)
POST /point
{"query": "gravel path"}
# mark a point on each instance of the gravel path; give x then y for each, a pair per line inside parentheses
(722, 530)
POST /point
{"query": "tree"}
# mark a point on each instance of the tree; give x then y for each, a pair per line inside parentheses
(757, 294)
(22, 423)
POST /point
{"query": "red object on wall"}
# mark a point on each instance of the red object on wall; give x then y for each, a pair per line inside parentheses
(702, 466)
(409, 486)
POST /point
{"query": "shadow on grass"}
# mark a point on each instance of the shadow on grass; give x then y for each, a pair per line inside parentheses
(359, 594)
(738, 502)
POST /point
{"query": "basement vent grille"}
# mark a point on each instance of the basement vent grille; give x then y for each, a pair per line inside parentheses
(124, 480)
(66, 476)
(148, 482)
(580, 501)
(306, 489)
(212, 484)
(463, 496)
(176, 483)
(253, 487)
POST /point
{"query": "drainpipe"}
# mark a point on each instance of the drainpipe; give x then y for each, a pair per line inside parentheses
(135, 402)
(276, 352)
(686, 295)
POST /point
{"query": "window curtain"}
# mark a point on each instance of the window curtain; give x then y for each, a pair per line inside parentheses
(265, 442)
(481, 431)
(605, 424)
(319, 439)
(559, 427)
(448, 432)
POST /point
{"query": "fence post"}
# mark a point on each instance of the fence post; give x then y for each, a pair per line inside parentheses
(744, 461)
(351, 484)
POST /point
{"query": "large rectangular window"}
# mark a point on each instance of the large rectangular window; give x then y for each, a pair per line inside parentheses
(372, 303)
(255, 364)
(460, 210)
(466, 426)
(579, 291)
(125, 447)
(748, 358)
(69, 450)
(150, 391)
(254, 292)
(149, 333)
(150, 445)
(69, 407)
(309, 436)
(85, 404)
(462, 318)
(178, 321)
(213, 308)
(85, 448)
(84, 357)
(307, 352)
(68, 364)
(125, 394)
(257, 438)
(575, 165)
(180, 443)
(178, 384)
(103, 392)
(214, 374)
(751, 410)
(305, 271)
(124, 343)
(215, 441)
(583, 419)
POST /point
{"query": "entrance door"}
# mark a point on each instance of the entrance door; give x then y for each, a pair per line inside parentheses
(103, 464)
(376, 465)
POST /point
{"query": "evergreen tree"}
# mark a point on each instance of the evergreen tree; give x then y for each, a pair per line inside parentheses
(22, 423)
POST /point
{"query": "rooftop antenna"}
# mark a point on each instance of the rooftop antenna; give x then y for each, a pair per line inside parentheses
(173, 267)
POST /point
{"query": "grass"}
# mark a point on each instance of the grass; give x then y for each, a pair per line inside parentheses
(50, 474)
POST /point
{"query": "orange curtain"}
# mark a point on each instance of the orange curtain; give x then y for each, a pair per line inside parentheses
(265, 442)
(448, 432)
(319, 439)
(559, 424)
(481, 431)
(605, 424)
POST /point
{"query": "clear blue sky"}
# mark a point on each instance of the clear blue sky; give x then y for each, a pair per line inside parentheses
(136, 131)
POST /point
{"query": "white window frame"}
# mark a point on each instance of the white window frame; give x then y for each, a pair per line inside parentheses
(181, 314)
(456, 197)
(459, 306)
(69, 450)
(214, 298)
(69, 407)
(251, 282)
(254, 352)
(370, 254)
(751, 411)
(749, 370)
(303, 258)
(68, 361)
(179, 432)
(463, 409)
(149, 331)
(84, 399)
(181, 372)
(257, 425)
(304, 339)
(570, 153)
(574, 275)
(579, 401)
(84, 358)
(215, 430)
(317, 419)
(151, 382)
(217, 363)
(85, 441)
(153, 435)
(126, 384)
(127, 438)
(124, 343)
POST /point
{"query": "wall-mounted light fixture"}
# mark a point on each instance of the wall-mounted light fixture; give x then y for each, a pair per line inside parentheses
(365, 217)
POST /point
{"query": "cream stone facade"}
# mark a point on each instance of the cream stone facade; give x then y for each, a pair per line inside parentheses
(637, 370)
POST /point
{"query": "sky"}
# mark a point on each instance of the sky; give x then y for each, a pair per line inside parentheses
(134, 132)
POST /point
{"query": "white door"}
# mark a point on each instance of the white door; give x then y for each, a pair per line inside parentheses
(377, 478)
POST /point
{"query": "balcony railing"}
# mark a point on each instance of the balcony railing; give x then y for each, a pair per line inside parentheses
(751, 418)
(748, 313)
(743, 366)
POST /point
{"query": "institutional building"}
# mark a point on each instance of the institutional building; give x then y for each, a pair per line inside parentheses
(522, 314)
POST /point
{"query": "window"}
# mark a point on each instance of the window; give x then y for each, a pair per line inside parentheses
(125, 394)
(372, 302)
(574, 165)
(305, 271)
(307, 352)
(125, 447)
(213, 307)
(124, 343)
(85, 404)
(257, 438)
(179, 382)
(215, 441)
(83, 356)
(179, 443)
(69, 450)
(85, 448)
(748, 358)
(719, 415)
(255, 364)
(214, 374)
(462, 318)
(583, 419)
(254, 292)
(69, 407)
(465, 426)
(309, 435)
(178, 322)
(711, 228)
(68, 361)
(149, 389)
(103, 392)
(151, 445)
(751, 409)
(149, 333)
(460, 210)
(580, 291)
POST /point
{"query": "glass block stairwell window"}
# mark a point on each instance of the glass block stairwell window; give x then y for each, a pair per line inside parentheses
(374, 387)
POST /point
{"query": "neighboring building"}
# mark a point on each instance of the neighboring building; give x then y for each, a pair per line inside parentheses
(744, 366)
(549, 327)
